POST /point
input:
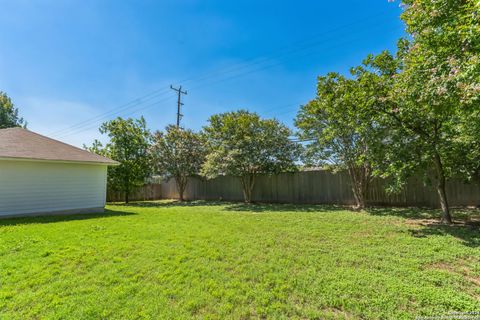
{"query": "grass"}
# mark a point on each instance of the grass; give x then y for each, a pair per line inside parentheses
(160, 260)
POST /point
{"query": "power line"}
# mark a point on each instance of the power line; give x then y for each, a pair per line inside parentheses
(135, 102)
(94, 125)
(89, 126)
(160, 92)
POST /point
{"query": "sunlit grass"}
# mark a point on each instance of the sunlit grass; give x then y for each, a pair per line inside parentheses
(211, 260)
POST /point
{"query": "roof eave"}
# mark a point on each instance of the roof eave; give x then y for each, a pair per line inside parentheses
(113, 163)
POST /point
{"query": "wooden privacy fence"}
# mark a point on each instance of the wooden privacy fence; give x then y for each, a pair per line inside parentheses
(147, 192)
(309, 187)
(312, 187)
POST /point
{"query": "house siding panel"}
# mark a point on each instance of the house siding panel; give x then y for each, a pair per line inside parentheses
(28, 187)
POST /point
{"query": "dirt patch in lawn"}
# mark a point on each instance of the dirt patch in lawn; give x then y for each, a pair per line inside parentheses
(462, 267)
(469, 222)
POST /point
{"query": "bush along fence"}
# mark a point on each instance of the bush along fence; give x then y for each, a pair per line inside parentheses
(310, 187)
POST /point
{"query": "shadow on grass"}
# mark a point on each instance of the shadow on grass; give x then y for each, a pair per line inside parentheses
(237, 206)
(169, 204)
(407, 213)
(460, 215)
(61, 218)
(466, 225)
(469, 234)
(279, 207)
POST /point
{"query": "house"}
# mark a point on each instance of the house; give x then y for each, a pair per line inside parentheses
(39, 175)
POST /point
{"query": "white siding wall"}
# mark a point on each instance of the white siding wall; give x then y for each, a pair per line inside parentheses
(33, 186)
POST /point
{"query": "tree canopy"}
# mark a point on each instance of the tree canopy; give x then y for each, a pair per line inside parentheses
(9, 114)
(424, 102)
(178, 153)
(244, 145)
(443, 53)
(342, 129)
(129, 144)
(435, 92)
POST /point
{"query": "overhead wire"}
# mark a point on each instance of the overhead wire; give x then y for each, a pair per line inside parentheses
(86, 124)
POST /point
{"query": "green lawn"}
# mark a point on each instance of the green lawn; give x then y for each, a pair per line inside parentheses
(205, 260)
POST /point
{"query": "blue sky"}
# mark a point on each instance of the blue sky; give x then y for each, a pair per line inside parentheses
(70, 65)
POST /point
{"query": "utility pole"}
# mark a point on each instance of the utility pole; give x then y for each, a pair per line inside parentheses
(179, 102)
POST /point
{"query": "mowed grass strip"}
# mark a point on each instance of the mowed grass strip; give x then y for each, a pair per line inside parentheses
(161, 260)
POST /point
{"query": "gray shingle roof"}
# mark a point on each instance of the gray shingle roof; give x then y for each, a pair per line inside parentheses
(19, 143)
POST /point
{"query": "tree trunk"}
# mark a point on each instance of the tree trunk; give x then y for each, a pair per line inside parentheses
(359, 200)
(360, 178)
(247, 196)
(126, 185)
(181, 186)
(248, 182)
(251, 185)
(442, 194)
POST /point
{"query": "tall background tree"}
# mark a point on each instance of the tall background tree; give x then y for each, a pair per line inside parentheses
(178, 153)
(9, 114)
(343, 132)
(242, 144)
(434, 92)
(129, 144)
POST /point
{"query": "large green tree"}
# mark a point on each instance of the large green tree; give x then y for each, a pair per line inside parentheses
(442, 58)
(244, 145)
(343, 132)
(421, 136)
(178, 153)
(435, 92)
(129, 144)
(9, 114)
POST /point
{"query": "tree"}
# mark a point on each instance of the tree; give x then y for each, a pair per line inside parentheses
(434, 91)
(444, 51)
(129, 144)
(343, 131)
(9, 114)
(420, 138)
(178, 153)
(244, 145)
